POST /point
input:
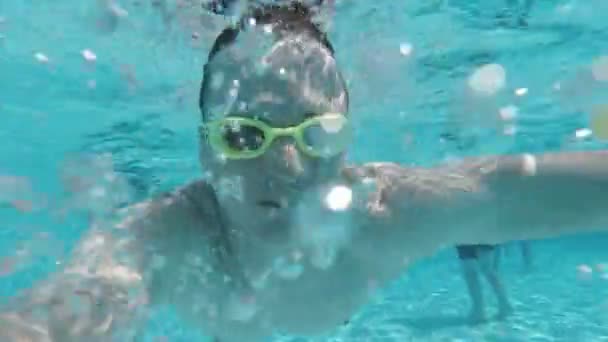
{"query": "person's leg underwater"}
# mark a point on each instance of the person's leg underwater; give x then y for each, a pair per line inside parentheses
(523, 17)
(485, 258)
(468, 263)
(498, 256)
(526, 255)
(515, 12)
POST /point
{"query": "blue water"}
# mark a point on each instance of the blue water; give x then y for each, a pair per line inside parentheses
(136, 105)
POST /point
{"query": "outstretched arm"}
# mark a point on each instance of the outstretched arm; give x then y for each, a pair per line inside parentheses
(89, 299)
(543, 196)
(98, 293)
(492, 199)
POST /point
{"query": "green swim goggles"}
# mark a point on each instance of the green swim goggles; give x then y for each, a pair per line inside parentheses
(237, 137)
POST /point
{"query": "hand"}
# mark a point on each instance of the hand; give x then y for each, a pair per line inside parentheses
(67, 311)
(383, 177)
(14, 328)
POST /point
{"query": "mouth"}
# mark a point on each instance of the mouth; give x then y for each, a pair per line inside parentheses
(274, 204)
(270, 204)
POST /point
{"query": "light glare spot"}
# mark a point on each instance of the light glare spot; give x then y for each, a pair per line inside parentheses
(333, 123)
(339, 198)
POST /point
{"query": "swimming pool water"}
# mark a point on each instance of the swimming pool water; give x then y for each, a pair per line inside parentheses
(407, 63)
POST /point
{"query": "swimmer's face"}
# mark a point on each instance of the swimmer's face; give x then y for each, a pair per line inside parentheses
(281, 84)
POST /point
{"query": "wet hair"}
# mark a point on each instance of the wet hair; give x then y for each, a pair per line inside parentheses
(290, 18)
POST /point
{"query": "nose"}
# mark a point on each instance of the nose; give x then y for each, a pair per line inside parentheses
(287, 160)
(293, 159)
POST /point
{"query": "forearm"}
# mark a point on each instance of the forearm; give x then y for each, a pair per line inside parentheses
(591, 166)
(14, 327)
(549, 195)
(93, 298)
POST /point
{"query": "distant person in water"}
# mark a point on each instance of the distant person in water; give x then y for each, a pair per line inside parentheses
(525, 249)
(516, 12)
(282, 236)
(476, 259)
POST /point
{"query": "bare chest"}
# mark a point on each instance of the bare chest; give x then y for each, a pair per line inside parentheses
(302, 295)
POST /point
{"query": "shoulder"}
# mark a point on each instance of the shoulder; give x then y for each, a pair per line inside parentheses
(191, 204)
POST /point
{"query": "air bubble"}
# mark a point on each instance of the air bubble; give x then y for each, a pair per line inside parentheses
(488, 79)
(521, 91)
(584, 271)
(508, 113)
(406, 49)
(583, 133)
(509, 130)
(89, 56)
(42, 58)
(599, 69)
